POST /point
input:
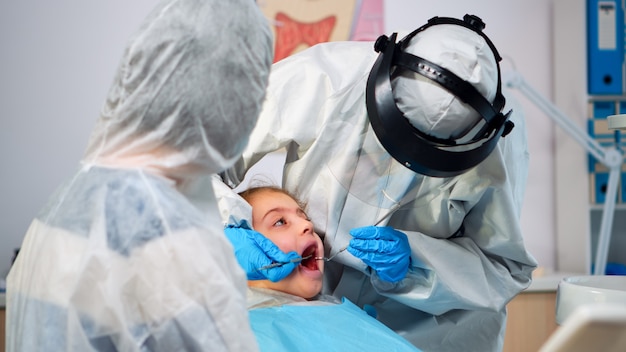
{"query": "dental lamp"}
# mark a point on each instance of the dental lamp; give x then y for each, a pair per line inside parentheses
(612, 158)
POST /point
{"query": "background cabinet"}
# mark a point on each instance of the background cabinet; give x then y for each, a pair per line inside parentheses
(531, 320)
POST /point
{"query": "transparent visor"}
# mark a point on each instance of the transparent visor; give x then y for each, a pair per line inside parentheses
(376, 184)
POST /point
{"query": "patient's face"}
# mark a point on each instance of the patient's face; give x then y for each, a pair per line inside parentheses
(279, 217)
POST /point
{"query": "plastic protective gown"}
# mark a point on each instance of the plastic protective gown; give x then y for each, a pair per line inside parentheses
(120, 259)
(468, 255)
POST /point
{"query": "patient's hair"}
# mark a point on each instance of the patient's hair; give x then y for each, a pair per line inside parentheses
(250, 192)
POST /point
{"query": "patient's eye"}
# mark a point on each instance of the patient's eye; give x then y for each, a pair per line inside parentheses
(280, 222)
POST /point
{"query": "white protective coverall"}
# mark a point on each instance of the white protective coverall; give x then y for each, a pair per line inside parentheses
(121, 259)
(468, 255)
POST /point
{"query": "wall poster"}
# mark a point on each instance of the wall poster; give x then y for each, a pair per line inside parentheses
(299, 24)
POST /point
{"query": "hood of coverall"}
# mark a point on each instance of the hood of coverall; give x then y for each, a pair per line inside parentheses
(176, 106)
(431, 108)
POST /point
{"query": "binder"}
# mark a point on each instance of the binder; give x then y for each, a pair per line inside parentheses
(605, 46)
(599, 184)
(603, 108)
(597, 128)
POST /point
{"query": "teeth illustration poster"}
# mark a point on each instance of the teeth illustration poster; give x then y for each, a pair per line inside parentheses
(299, 24)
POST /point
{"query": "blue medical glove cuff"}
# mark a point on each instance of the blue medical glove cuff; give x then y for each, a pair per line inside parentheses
(254, 251)
(384, 249)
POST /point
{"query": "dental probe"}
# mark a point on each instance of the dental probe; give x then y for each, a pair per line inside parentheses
(294, 260)
(332, 256)
(387, 214)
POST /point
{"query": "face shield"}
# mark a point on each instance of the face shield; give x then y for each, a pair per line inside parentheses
(434, 98)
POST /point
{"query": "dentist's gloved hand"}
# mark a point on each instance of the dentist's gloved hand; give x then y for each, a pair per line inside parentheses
(253, 251)
(384, 249)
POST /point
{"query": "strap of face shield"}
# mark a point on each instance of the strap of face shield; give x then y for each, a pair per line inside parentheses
(416, 150)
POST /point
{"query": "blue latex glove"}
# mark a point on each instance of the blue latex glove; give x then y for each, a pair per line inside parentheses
(384, 249)
(253, 251)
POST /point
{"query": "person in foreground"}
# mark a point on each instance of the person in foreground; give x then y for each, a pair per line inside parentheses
(412, 136)
(290, 314)
(129, 255)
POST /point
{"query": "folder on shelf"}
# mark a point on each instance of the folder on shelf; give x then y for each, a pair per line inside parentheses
(597, 128)
(605, 46)
(599, 183)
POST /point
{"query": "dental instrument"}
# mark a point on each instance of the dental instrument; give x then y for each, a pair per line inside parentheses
(327, 259)
(388, 214)
(295, 260)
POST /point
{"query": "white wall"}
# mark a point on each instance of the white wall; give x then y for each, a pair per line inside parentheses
(57, 59)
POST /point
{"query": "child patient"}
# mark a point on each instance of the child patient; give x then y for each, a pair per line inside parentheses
(279, 217)
(290, 315)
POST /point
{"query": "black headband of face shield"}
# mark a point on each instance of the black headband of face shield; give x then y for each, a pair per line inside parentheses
(416, 150)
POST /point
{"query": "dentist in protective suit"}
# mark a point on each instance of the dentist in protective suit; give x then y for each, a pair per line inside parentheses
(128, 255)
(405, 155)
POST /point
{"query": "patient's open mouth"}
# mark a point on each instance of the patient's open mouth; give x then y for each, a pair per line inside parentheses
(310, 262)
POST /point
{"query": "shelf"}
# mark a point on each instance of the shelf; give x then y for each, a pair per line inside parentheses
(599, 207)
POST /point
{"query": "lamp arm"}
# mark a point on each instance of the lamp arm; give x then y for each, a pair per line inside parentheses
(516, 81)
(612, 158)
